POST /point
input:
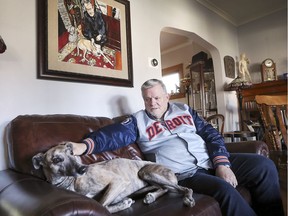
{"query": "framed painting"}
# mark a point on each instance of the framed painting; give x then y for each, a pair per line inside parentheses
(229, 64)
(85, 41)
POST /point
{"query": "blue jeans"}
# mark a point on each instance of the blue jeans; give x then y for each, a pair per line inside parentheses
(257, 173)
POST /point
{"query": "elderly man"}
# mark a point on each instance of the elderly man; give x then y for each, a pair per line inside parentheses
(174, 135)
(94, 25)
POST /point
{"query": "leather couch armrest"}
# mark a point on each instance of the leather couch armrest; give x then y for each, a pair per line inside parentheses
(28, 195)
(258, 147)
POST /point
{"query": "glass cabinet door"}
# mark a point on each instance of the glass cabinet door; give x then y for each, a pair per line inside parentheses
(203, 95)
(196, 93)
(209, 88)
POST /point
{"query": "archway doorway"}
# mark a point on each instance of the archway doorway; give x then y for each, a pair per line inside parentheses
(178, 47)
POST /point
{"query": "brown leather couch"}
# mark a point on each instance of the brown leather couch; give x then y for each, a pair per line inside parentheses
(24, 191)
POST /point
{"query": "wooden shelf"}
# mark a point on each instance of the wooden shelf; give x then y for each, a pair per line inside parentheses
(249, 108)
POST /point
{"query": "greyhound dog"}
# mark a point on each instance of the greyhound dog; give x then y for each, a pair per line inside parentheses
(114, 180)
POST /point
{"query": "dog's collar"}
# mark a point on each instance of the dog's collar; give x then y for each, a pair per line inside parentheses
(66, 182)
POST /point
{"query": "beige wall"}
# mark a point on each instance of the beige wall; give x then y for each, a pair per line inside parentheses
(265, 38)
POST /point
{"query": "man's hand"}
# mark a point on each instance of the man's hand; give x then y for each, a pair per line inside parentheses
(99, 37)
(227, 174)
(78, 148)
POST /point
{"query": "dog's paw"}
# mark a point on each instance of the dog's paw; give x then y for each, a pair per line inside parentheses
(128, 202)
(190, 202)
(149, 198)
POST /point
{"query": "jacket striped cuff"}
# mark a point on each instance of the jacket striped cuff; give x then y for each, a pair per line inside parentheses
(221, 160)
(90, 146)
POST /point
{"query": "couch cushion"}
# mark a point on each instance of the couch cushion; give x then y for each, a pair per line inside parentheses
(171, 204)
(28, 135)
(22, 194)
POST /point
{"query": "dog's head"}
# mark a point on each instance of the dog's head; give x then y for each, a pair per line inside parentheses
(71, 29)
(58, 161)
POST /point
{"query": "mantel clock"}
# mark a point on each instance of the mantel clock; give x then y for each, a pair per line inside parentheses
(268, 70)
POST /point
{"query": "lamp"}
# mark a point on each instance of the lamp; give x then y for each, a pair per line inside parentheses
(237, 84)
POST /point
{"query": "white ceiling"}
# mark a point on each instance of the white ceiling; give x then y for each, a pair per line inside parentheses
(237, 12)
(240, 12)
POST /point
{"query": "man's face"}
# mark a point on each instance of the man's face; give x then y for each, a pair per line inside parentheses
(90, 9)
(156, 100)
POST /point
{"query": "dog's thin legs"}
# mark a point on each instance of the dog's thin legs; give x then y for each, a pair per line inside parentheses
(111, 193)
(163, 177)
(188, 195)
(124, 204)
(152, 196)
(144, 190)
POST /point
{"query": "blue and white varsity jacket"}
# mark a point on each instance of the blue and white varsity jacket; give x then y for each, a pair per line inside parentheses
(183, 141)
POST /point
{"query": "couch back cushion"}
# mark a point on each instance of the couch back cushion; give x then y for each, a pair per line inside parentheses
(28, 135)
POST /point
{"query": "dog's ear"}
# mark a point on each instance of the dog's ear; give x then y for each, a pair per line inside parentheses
(69, 147)
(37, 160)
